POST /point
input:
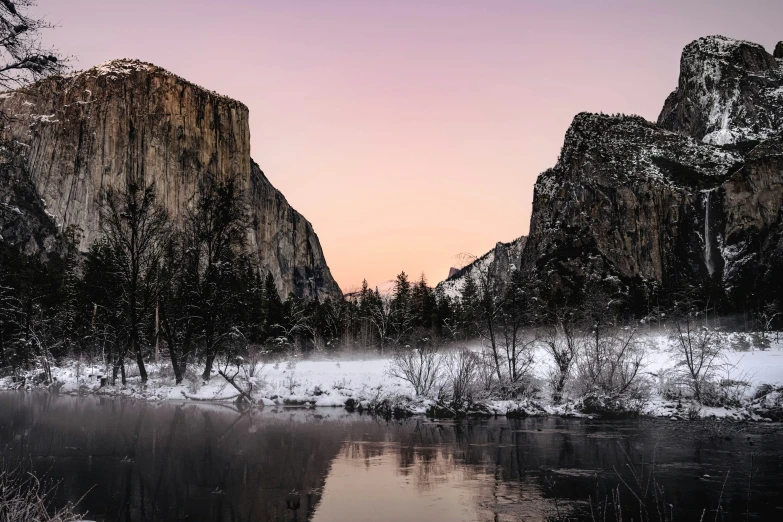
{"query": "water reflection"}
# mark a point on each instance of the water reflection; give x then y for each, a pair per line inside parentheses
(172, 461)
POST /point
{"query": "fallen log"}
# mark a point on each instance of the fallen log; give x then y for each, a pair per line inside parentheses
(207, 399)
(236, 386)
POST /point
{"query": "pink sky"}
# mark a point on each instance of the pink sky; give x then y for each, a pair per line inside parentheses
(409, 131)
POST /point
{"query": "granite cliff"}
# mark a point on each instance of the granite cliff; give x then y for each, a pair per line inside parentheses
(646, 210)
(127, 119)
(694, 200)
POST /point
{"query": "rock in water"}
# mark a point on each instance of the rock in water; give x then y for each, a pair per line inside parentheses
(128, 119)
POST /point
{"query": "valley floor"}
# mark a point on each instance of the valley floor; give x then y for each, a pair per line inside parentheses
(363, 382)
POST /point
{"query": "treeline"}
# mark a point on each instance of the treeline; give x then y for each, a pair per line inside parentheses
(191, 292)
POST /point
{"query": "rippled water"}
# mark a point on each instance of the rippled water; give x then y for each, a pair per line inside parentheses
(178, 461)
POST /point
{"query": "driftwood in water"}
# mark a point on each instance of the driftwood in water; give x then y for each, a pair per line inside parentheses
(207, 399)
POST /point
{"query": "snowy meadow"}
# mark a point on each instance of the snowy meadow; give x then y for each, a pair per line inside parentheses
(744, 381)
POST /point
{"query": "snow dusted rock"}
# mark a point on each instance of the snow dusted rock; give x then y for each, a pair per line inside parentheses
(729, 92)
(498, 263)
(634, 205)
(624, 204)
(129, 119)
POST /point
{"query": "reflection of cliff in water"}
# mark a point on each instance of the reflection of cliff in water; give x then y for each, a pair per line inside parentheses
(207, 462)
(169, 461)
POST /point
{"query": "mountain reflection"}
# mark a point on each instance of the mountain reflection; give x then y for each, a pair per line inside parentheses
(177, 461)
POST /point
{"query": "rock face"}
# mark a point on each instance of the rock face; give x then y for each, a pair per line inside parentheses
(132, 120)
(498, 264)
(694, 199)
(24, 221)
(730, 93)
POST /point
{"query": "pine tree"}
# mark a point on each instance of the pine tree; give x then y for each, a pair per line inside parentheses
(273, 313)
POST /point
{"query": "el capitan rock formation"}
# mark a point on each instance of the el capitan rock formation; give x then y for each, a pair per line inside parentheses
(128, 119)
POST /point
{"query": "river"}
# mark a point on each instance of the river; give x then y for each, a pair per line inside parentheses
(132, 460)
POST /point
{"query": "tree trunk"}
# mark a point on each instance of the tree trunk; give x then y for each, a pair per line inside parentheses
(140, 361)
(115, 370)
(208, 367)
(210, 351)
(175, 363)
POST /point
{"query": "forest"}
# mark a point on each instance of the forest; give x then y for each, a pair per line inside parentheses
(189, 291)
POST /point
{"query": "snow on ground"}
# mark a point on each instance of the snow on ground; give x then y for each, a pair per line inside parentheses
(323, 381)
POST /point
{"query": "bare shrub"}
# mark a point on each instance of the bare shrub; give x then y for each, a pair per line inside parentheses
(291, 382)
(462, 370)
(699, 352)
(728, 389)
(24, 497)
(609, 361)
(253, 362)
(561, 342)
(420, 367)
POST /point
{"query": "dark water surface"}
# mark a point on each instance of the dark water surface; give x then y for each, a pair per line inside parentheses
(178, 461)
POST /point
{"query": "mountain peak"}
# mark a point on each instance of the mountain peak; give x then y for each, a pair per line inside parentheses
(125, 69)
(728, 93)
(721, 46)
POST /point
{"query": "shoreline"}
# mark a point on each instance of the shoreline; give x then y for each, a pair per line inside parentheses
(363, 382)
(400, 406)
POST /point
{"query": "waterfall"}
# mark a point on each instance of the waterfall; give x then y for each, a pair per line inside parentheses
(707, 237)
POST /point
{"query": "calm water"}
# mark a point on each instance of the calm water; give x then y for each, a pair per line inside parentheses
(178, 461)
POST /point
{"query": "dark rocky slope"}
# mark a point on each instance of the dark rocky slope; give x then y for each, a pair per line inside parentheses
(694, 200)
(128, 119)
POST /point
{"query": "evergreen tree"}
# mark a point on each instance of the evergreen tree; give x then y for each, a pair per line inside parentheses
(273, 306)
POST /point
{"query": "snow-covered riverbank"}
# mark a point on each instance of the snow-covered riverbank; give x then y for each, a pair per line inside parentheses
(364, 382)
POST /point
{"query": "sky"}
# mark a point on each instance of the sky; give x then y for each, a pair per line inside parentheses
(409, 132)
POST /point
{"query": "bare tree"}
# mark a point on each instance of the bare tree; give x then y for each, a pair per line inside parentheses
(487, 311)
(611, 355)
(136, 230)
(23, 58)
(698, 348)
(562, 342)
(214, 256)
(517, 336)
(504, 314)
(462, 369)
(610, 361)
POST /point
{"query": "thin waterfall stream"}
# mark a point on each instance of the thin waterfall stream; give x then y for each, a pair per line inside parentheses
(707, 236)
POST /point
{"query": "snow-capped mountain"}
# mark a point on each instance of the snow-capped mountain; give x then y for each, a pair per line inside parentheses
(498, 262)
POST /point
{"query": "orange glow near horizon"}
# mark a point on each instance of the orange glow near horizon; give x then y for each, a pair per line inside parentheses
(409, 132)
